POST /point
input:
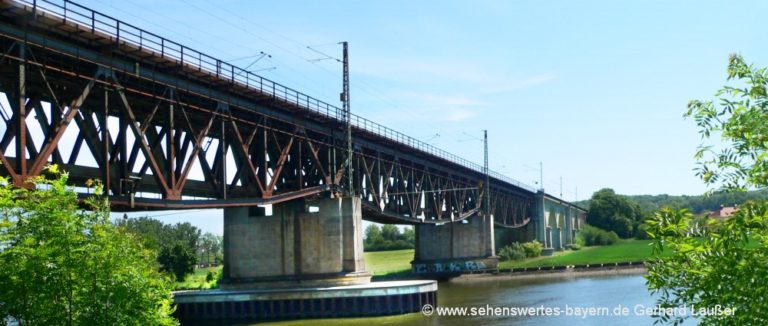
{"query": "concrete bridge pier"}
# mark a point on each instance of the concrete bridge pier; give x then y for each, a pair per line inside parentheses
(454, 248)
(301, 244)
(555, 222)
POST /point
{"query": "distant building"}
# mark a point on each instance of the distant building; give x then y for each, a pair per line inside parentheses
(723, 212)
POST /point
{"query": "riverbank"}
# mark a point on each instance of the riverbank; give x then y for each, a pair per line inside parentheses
(628, 250)
(395, 264)
(559, 272)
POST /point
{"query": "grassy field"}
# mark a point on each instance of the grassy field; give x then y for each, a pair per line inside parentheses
(389, 262)
(397, 263)
(196, 280)
(623, 251)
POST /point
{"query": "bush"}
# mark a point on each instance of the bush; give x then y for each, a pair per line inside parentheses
(178, 260)
(573, 246)
(593, 236)
(532, 249)
(641, 233)
(212, 279)
(65, 265)
(579, 239)
(514, 251)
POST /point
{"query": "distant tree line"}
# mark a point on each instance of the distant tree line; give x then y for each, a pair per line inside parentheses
(388, 237)
(180, 246)
(626, 215)
(649, 204)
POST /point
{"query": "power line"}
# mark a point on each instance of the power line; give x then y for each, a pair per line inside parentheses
(365, 86)
(228, 22)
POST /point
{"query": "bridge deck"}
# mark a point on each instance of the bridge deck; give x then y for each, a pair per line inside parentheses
(175, 110)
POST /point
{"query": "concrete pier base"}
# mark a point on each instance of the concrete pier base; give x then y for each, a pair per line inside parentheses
(215, 307)
(301, 244)
(455, 248)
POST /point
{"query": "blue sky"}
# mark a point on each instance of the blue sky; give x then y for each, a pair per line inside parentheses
(593, 89)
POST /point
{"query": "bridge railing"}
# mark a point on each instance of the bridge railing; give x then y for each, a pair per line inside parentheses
(127, 34)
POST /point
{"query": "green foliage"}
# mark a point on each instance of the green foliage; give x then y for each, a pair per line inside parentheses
(533, 249)
(738, 123)
(66, 266)
(165, 238)
(388, 237)
(641, 232)
(178, 260)
(593, 236)
(200, 279)
(623, 251)
(512, 252)
(212, 278)
(724, 264)
(517, 251)
(579, 238)
(613, 212)
(574, 246)
(712, 201)
(210, 249)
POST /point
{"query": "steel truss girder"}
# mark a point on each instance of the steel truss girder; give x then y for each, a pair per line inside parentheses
(148, 129)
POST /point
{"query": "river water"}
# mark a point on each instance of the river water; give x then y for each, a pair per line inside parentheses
(623, 297)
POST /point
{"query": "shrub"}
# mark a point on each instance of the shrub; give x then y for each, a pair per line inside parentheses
(597, 237)
(514, 251)
(573, 246)
(72, 266)
(532, 249)
(641, 233)
(579, 239)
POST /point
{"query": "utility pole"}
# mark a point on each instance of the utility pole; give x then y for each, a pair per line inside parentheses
(347, 118)
(561, 187)
(541, 175)
(488, 233)
(487, 176)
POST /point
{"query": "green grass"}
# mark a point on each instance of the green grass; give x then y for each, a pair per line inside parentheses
(397, 263)
(196, 280)
(389, 262)
(623, 251)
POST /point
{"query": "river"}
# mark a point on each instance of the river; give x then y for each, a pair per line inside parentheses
(624, 295)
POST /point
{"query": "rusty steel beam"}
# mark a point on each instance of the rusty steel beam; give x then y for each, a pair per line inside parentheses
(166, 117)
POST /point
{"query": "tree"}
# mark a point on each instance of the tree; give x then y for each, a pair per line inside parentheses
(724, 263)
(388, 237)
(612, 212)
(390, 232)
(66, 266)
(186, 233)
(178, 260)
(152, 231)
(209, 247)
(409, 234)
(164, 238)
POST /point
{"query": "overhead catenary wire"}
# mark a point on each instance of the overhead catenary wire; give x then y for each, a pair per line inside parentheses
(219, 50)
(240, 27)
(367, 88)
(315, 84)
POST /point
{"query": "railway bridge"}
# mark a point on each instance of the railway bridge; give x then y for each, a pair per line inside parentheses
(164, 126)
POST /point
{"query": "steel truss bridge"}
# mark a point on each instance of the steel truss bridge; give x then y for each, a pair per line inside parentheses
(162, 125)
